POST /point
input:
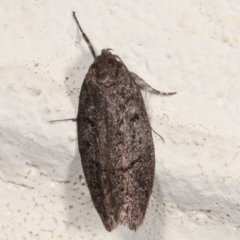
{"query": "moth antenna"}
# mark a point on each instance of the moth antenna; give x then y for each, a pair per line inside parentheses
(85, 37)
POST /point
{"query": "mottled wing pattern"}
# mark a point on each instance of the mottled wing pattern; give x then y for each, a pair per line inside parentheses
(115, 143)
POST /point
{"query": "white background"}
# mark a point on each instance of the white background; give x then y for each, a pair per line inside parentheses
(191, 47)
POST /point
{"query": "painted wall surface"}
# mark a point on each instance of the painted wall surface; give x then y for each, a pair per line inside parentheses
(191, 47)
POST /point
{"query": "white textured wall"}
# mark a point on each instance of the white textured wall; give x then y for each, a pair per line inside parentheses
(191, 47)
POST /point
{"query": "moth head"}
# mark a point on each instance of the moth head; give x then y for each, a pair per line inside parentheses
(107, 65)
(106, 52)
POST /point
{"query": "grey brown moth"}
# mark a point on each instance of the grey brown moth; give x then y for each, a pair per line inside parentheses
(115, 140)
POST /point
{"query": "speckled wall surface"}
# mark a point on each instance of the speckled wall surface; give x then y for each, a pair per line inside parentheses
(191, 47)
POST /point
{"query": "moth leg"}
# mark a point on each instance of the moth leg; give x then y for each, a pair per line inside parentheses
(158, 134)
(61, 120)
(143, 85)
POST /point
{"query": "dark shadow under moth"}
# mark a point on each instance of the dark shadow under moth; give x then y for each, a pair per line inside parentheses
(115, 140)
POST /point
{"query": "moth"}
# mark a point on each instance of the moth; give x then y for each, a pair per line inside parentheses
(115, 140)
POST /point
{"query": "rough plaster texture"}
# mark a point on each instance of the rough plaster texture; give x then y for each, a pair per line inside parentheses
(191, 47)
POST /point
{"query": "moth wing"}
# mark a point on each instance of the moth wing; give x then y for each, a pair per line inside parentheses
(92, 141)
(116, 147)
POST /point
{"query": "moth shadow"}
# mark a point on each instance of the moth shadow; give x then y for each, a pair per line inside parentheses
(74, 77)
(155, 218)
